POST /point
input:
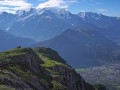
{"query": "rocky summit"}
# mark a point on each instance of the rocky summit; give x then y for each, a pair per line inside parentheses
(39, 69)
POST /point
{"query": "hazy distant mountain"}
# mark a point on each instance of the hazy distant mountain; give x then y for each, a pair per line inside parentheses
(38, 25)
(83, 48)
(8, 41)
(6, 20)
(43, 24)
(109, 26)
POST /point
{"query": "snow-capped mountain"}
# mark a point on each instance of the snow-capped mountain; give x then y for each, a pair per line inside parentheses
(109, 26)
(6, 20)
(60, 13)
(85, 15)
(47, 23)
(45, 12)
(42, 24)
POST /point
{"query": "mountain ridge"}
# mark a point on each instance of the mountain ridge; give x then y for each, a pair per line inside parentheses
(9, 41)
(29, 69)
(32, 23)
(86, 47)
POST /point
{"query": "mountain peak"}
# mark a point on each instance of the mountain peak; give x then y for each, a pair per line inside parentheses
(28, 11)
(60, 13)
(4, 13)
(57, 12)
(90, 15)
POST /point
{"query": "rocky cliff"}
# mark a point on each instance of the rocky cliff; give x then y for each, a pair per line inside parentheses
(38, 69)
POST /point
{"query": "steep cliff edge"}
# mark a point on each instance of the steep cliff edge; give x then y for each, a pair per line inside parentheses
(38, 69)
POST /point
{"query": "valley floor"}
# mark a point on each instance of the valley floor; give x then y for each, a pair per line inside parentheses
(108, 75)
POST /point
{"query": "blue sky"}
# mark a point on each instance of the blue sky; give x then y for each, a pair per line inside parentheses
(107, 7)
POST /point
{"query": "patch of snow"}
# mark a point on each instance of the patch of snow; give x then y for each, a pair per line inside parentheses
(82, 14)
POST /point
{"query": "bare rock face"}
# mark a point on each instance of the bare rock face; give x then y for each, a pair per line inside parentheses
(35, 69)
(71, 79)
(29, 59)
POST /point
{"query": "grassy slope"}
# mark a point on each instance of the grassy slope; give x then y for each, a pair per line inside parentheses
(14, 71)
(23, 73)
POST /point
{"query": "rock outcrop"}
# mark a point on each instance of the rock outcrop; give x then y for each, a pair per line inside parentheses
(38, 69)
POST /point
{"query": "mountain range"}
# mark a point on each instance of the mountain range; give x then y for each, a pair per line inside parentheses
(43, 24)
(85, 39)
(84, 48)
(8, 41)
(93, 38)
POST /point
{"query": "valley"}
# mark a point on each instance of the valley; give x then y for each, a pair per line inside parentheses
(107, 75)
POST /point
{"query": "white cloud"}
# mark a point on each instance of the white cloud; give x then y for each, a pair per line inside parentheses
(13, 5)
(56, 3)
(102, 10)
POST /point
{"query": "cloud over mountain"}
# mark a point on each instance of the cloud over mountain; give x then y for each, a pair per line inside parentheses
(13, 5)
(56, 3)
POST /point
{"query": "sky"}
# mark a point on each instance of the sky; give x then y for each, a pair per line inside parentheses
(106, 7)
